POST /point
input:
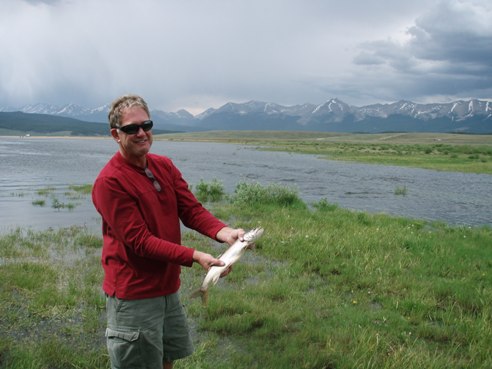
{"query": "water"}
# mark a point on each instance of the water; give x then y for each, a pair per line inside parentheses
(30, 164)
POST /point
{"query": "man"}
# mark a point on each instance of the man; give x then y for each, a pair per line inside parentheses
(141, 198)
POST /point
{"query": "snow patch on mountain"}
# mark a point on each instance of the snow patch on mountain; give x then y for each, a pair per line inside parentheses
(329, 114)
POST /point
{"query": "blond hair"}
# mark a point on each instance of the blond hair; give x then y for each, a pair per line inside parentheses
(122, 103)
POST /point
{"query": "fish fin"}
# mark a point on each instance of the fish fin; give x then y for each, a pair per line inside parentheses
(251, 246)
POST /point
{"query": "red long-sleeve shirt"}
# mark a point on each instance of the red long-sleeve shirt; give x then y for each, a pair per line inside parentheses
(142, 251)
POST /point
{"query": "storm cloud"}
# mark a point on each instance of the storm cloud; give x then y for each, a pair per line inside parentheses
(448, 52)
(197, 54)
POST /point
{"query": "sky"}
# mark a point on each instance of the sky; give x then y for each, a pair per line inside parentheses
(197, 54)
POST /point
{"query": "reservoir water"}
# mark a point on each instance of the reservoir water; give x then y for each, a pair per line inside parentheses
(37, 169)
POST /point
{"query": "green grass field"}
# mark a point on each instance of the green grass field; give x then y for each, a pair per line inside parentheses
(324, 288)
(437, 151)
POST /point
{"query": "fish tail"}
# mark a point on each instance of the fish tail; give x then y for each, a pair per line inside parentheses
(196, 293)
(203, 293)
(205, 298)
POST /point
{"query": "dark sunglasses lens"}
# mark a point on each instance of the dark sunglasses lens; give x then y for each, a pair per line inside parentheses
(132, 129)
(147, 125)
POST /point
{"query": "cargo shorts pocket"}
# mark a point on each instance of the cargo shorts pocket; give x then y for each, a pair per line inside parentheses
(124, 348)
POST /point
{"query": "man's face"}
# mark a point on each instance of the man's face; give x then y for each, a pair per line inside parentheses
(133, 147)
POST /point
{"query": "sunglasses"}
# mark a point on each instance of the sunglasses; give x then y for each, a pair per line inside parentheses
(132, 129)
(150, 175)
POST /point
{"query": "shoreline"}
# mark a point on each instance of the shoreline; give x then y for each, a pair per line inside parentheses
(57, 137)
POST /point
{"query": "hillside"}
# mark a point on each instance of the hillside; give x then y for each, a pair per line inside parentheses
(18, 123)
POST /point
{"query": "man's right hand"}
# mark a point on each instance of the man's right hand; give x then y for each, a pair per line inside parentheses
(206, 260)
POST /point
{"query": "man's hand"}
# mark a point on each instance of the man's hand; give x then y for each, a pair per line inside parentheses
(230, 235)
(206, 260)
(226, 234)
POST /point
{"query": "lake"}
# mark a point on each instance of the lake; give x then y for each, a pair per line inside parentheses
(34, 170)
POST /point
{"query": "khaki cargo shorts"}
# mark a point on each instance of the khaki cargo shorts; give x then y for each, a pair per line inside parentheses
(145, 333)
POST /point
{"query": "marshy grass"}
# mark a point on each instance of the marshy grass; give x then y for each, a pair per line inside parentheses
(57, 204)
(51, 305)
(84, 189)
(401, 191)
(62, 200)
(46, 191)
(210, 191)
(437, 151)
(332, 288)
(17, 194)
(324, 288)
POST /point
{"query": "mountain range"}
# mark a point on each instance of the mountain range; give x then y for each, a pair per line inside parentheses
(462, 116)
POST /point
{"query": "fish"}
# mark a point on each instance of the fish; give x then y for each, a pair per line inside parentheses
(229, 257)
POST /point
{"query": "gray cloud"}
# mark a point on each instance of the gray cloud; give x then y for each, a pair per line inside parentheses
(197, 54)
(448, 52)
(34, 2)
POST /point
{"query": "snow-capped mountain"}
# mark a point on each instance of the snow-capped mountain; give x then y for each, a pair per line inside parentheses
(457, 110)
(98, 114)
(333, 115)
(164, 120)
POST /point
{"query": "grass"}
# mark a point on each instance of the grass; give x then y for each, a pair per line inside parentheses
(437, 151)
(51, 305)
(401, 190)
(213, 191)
(341, 289)
(324, 288)
(46, 191)
(74, 192)
(84, 189)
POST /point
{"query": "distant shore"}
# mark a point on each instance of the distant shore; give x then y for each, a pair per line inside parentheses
(467, 153)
